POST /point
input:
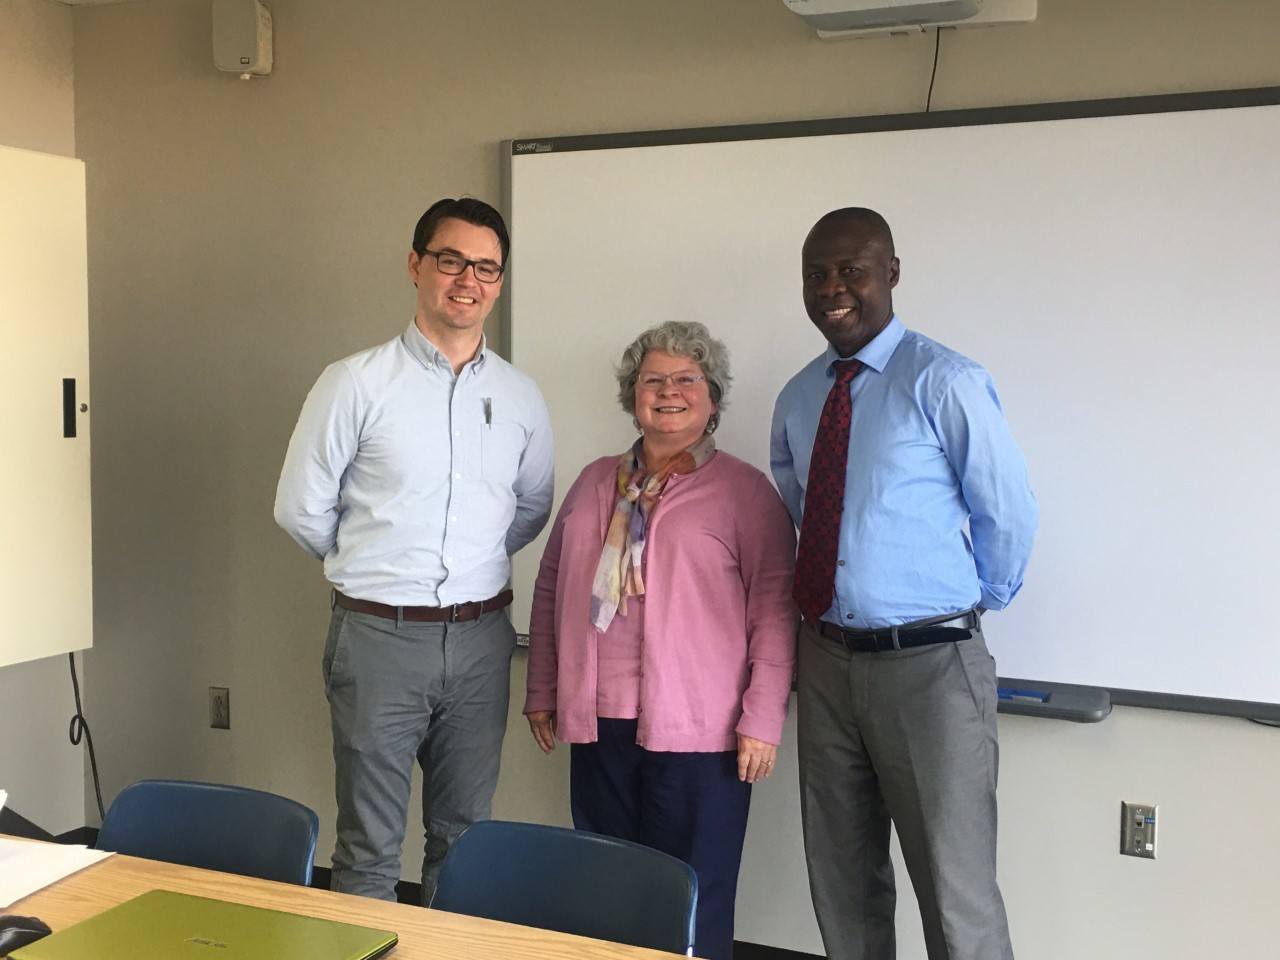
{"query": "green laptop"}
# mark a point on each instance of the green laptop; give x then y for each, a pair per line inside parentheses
(162, 925)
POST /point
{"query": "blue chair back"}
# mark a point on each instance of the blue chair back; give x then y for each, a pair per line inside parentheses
(570, 881)
(233, 829)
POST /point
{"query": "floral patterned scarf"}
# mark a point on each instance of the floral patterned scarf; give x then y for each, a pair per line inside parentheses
(618, 574)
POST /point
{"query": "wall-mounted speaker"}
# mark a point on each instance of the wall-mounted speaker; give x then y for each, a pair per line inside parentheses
(242, 37)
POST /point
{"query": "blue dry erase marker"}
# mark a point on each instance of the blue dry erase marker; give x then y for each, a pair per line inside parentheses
(1024, 696)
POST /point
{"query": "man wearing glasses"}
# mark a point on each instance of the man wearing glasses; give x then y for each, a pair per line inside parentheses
(416, 469)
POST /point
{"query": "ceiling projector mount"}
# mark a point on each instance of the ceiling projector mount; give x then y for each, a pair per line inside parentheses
(843, 19)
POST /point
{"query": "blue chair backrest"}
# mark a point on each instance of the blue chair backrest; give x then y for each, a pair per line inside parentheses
(570, 881)
(218, 827)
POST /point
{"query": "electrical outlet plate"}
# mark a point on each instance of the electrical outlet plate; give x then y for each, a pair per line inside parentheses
(1138, 829)
(220, 708)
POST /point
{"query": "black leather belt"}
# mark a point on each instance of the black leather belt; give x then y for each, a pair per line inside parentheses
(947, 628)
(454, 613)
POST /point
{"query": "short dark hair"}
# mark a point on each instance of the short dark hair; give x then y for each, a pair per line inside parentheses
(468, 209)
(875, 224)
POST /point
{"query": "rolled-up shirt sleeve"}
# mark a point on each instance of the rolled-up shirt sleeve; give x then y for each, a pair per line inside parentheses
(1003, 513)
(323, 444)
(766, 558)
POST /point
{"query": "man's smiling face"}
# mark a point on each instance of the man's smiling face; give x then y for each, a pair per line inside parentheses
(462, 302)
(849, 272)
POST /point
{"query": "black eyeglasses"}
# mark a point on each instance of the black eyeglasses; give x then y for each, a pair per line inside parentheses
(453, 264)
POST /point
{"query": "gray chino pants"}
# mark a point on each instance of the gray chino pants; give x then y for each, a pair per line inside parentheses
(907, 736)
(434, 693)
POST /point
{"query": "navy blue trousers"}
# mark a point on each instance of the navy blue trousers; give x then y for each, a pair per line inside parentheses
(690, 805)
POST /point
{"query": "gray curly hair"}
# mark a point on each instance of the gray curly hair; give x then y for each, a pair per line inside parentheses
(683, 338)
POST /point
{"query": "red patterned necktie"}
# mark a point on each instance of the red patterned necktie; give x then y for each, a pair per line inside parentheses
(824, 498)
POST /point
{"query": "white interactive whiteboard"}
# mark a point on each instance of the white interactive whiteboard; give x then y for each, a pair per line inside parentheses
(1114, 265)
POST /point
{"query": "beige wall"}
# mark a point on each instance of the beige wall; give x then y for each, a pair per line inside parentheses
(244, 234)
(41, 770)
(37, 106)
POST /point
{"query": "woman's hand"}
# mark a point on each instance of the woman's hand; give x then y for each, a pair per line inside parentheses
(755, 758)
(543, 725)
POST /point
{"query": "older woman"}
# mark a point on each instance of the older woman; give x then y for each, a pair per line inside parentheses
(663, 631)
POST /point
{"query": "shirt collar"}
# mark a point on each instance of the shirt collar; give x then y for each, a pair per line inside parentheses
(425, 352)
(876, 353)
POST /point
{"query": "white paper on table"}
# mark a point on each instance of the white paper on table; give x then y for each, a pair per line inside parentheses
(27, 867)
(3, 797)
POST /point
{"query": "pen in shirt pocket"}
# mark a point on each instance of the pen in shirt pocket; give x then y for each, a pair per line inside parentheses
(488, 412)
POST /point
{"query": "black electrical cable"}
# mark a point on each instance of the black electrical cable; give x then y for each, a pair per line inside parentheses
(79, 729)
(937, 44)
(1265, 723)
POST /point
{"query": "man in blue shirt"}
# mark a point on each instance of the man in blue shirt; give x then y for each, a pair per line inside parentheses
(886, 448)
(416, 469)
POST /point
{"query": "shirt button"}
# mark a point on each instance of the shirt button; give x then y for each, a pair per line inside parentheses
(453, 519)
(840, 563)
(457, 476)
(457, 433)
(847, 616)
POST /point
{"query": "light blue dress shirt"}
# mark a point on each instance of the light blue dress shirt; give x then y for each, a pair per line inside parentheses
(930, 454)
(413, 485)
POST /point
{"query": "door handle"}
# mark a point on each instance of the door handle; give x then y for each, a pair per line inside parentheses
(68, 406)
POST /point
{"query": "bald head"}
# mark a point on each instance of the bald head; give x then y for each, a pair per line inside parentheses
(849, 272)
(861, 220)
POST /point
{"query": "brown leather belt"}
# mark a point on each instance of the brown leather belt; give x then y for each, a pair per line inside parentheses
(455, 613)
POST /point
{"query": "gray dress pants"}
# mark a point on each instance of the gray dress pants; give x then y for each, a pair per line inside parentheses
(907, 736)
(400, 692)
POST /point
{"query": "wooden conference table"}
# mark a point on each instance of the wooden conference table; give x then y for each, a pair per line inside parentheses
(423, 933)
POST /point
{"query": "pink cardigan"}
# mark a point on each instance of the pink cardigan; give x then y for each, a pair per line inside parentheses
(719, 632)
